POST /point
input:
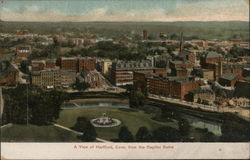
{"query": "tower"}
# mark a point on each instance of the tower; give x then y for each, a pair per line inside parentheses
(181, 42)
(145, 35)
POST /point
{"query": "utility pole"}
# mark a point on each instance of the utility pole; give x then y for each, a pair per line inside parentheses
(27, 109)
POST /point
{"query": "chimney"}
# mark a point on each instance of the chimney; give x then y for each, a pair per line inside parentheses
(181, 42)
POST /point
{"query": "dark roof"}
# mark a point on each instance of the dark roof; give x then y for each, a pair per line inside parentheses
(213, 55)
(229, 76)
(184, 53)
(242, 89)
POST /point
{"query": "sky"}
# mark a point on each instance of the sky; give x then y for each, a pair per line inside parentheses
(124, 10)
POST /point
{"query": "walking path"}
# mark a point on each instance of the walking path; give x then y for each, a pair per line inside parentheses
(6, 125)
(79, 133)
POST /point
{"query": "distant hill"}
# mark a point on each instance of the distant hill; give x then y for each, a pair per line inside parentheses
(202, 30)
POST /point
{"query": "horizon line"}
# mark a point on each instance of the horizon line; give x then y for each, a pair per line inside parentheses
(117, 21)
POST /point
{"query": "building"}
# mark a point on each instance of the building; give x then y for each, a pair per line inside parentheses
(208, 74)
(105, 66)
(240, 102)
(68, 63)
(76, 64)
(49, 79)
(181, 64)
(86, 63)
(228, 79)
(91, 77)
(180, 72)
(204, 96)
(8, 74)
(186, 55)
(122, 72)
(145, 35)
(23, 51)
(211, 58)
(50, 64)
(175, 87)
(37, 66)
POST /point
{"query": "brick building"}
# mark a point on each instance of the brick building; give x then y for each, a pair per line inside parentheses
(171, 86)
(76, 64)
(86, 63)
(50, 64)
(68, 63)
(211, 58)
(180, 72)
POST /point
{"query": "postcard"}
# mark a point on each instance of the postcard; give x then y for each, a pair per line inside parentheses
(124, 79)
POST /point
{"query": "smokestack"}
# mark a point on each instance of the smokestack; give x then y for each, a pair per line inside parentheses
(145, 35)
(181, 42)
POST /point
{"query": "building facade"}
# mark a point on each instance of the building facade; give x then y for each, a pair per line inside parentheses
(49, 79)
(122, 72)
(175, 87)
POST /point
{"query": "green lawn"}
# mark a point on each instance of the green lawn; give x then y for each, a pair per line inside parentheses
(34, 133)
(132, 119)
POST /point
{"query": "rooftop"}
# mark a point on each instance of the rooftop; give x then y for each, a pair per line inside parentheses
(213, 55)
(229, 76)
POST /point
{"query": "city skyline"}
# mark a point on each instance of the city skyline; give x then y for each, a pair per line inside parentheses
(124, 10)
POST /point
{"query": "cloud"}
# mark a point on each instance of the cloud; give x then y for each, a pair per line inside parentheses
(187, 12)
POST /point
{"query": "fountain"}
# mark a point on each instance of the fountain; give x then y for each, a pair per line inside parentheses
(105, 121)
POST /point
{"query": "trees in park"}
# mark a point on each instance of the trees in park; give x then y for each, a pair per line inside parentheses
(125, 135)
(83, 125)
(184, 127)
(81, 86)
(235, 130)
(143, 135)
(136, 99)
(42, 106)
(166, 134)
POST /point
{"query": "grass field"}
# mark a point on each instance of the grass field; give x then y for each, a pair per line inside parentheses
(33, 133)
(131, 118)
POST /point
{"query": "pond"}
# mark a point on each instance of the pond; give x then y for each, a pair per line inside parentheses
(94, 104)
(211, 126)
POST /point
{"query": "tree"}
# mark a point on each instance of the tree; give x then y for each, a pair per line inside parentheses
(235, 130)
(184, 127)
(166, 134)
(89, 133)
(143, 135)
(43, 106)
(207, 136)
(81, 124)
(125, 135)
(136, 99)
(81, 86)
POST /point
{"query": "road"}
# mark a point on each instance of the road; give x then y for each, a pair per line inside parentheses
(241, 112)
(20, 75)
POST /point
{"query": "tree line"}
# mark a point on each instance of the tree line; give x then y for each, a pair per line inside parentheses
(27, 103)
